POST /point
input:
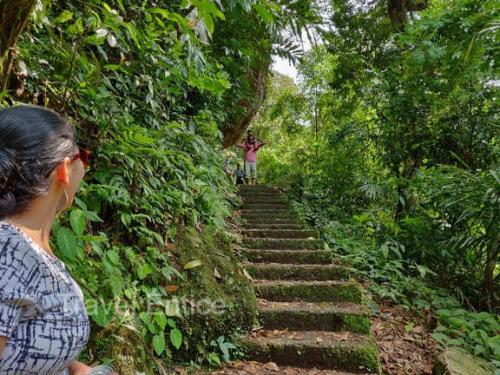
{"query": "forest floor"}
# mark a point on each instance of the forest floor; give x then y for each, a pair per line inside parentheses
(405, 343)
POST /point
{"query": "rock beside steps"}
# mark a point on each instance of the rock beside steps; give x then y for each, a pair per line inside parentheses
(312, 314)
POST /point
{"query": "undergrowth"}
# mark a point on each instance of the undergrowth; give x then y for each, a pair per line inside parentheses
(383, 264)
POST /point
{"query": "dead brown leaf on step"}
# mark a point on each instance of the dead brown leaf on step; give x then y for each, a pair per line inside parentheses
(271, 366)
(171, 288)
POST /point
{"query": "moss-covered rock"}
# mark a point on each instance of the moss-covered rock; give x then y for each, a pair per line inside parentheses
(457, 362)
(221, 298)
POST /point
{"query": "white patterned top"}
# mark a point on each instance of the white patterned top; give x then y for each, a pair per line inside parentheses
(42, 311)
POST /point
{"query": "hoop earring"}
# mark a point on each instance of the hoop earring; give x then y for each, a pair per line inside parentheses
(62, 207)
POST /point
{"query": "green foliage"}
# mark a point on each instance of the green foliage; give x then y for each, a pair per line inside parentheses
(478, 332)
(224, 347)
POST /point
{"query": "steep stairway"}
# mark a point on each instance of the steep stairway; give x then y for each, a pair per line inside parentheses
(313, 315)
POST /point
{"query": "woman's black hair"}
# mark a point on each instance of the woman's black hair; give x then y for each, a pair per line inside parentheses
(33, 141)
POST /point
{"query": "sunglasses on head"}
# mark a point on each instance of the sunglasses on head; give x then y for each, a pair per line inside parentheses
(84, 156)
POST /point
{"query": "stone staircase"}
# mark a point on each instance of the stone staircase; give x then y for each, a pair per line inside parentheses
(313, 315)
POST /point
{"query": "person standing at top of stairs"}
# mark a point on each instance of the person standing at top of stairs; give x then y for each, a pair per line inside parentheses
(250, 147)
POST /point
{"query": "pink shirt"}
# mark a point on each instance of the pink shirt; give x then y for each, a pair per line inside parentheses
(250, 151)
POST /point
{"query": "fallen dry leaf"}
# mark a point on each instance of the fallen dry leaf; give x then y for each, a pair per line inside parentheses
(171, 288)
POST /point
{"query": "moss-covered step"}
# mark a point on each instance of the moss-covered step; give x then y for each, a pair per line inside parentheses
(280, 271)
(268, 213)
(260, 193)
(262, 220)
(265, 206)
(253, 190)
(282, 243)
(265, 199)
(282, 226)
(285, 211)
(343, 351)
(308, 316)
(281, 233)
(288, 256)
(273, 218)
(309, 291)
(262, 197)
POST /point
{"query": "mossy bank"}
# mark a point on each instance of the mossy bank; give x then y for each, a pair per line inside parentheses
(208, 299)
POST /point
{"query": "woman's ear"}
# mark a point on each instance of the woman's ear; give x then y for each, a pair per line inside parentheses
(63, 171)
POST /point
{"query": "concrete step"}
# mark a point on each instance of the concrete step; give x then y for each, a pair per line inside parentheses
(265, 200)
(279, 226)
(259, 195)
(308, 316)
(272, 220)
(282, 243)
(281, 233)
(289, 256)
(266, 207)
(343, 351)
(270, 368)
(309, 291)
(255, 192)
(286, 271)
(268, 213)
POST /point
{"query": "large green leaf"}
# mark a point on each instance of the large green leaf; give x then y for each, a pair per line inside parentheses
(176, 338)
(68, 244)
(77, 221)
(159, 343)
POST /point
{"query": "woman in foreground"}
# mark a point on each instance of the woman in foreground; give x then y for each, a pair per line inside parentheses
(43, 322)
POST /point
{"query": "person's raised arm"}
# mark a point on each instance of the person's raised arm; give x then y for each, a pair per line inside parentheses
(241, 145)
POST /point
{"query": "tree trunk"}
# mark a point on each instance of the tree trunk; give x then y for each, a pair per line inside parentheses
(13, 18)
(398, 13)
(398, 10)
(240, 121)
(410, 169)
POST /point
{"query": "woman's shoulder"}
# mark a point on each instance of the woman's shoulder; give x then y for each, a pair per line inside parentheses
(15, 251)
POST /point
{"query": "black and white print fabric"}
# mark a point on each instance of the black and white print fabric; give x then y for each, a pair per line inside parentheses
(42, 312)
